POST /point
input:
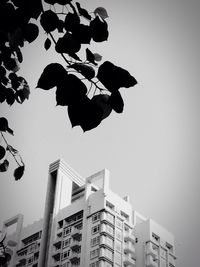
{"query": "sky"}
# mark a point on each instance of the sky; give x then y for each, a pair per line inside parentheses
(152, 149)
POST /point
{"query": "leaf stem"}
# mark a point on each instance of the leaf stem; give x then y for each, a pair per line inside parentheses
(10, 149)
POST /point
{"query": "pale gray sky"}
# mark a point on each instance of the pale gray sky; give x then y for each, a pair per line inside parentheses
(152, 150)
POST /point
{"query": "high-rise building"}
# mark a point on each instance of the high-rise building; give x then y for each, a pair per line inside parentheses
(86, 224)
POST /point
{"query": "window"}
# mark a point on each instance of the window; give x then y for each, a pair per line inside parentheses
(30, 260)
(124, 215)
(95, 229)
(118, 246)
(65, 254)
(107, 253)
(79, 226)
(118, 259)
(110, 205)
(96, 217)
(155, 237)
(110, 217)
(169, 247)
(95, 241)
(94, 253)
(109, 229)
(119, 223)
(66, 242)
(94, 264)
(119, 234)
(67, 231)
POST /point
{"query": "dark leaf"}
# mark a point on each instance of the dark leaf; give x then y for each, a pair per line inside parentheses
(11, 64)
(99, 29)
(23, 94)
(10, 96)
(82, 34)
(102, 101)
(2, 72)
(60, 25)
(83, 12)
(90, 56)
(67, 44)
(2, 93)
(74, 56)
(70, 91)
(114, 77)
(18, 173)
(19, 54)
(4, 166)
(71, 22)
(31, 32)
(4, 126)
(14, 80)
(97, 57)
(87, 71)
(4, 80)
(52, 75)
(49, 21)
(86, 114)
(47, 44)
(63, 2)
(101, 11)
(116, 102)
(2, 152)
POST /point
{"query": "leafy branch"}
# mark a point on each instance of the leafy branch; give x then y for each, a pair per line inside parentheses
(88, 89)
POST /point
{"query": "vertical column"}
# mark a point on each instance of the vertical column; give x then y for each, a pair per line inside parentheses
(58, 195)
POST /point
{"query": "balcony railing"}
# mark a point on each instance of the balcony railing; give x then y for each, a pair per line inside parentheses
(152, 250)
(75, 244)
(74, 257)
(129, 248)
(76, 232)
(151, 262)
(128, 236)
(129, 260)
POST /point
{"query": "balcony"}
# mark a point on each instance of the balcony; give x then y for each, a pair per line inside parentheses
(128, 236)
(152, 250)
(75, 245)
(76, 233)
(151, 262)
(129, 261)
(56, 254)
(171, 260)
(129, 248)
(74, 257)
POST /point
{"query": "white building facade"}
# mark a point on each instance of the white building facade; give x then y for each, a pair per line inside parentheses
(86, 224)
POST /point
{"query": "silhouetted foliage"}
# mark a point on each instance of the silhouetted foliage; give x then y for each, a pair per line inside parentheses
(89, 90)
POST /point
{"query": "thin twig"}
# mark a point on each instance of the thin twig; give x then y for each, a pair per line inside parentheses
(10, 149)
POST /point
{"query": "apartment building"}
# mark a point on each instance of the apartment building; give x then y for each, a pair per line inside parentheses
(86, 224)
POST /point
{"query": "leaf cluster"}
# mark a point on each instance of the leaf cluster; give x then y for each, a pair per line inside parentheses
(89, 89)
(4, 150)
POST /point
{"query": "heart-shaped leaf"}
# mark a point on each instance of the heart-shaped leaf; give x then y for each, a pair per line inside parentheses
(52, 75)
(102, 101)
(85, 114)
(4, 166)
(70, 91)
(49, 21)
(4, 126)
(116, 102)
(67, 44)
(114, 77)
(2, 152)
(99, 29)
(31, 32)
(18, 172)
(101, 11)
